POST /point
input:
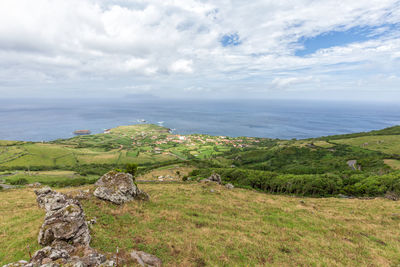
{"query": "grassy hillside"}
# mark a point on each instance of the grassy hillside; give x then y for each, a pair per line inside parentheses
(194, 224)
(352, 164)
(188, 225)
(389, 144)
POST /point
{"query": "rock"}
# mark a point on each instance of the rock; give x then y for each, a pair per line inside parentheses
(141, 195)
(48, 254)
(50, 264)
(215, 177)
(35, 185)
(108, 263)
(392, 196)
(20, 263)
(65, 235)
(64, 221)
(74, 262)
(229, 186)
(212, 191)
(83, 194)
(62, 245)
(91, 257)
(145, 259)
(92, 221)
(118, 187)
(7, 186)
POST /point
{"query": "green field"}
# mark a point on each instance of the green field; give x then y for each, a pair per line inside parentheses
(310, 163)
(125, 144)
(195, 224)
(385, 143)
(188, 225)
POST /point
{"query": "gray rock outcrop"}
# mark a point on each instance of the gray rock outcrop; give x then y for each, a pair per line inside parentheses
(118, 188)
(64, 221)
(215, 177)
(65, 234)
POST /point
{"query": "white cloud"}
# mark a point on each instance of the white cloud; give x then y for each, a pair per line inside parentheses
(170, 45)
(182, 66)
(285, 82)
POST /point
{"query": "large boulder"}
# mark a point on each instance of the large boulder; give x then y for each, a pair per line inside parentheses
(118, 187)
(64, 220)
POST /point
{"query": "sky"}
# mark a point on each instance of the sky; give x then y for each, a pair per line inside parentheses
(303, 49)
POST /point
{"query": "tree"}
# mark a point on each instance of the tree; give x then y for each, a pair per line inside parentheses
(132, 169)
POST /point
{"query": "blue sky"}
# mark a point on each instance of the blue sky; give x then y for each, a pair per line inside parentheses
(343, 37)
(201, 49)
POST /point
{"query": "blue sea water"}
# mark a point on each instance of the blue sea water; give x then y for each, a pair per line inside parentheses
(37, 120)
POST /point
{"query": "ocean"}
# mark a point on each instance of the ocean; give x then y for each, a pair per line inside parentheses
(45, 120)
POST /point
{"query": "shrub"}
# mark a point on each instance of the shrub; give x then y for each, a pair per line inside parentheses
(20, 181)
(69, 182)
(131, 168)
(321, 185)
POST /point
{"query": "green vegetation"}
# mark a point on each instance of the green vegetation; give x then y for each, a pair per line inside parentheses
(389, 144)
(358, 164)
(238, 227)
(51, 178)
(317, 185)
(131, 168)
(188, 225)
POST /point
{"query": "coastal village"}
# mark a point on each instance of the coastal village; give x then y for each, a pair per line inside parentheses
(162, 141)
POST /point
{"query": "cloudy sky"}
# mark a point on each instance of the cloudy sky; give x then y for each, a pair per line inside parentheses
(322, 49)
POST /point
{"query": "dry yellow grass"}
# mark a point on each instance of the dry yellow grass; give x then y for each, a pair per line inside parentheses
(384, 143)
(188, 225)
(165, 171)
(393, 163)
(20, 219)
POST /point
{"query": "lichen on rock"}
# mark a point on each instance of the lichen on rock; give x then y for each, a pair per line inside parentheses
(64, 221)
(118, 188)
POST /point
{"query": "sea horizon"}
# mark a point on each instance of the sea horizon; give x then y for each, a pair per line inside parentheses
(50, 119)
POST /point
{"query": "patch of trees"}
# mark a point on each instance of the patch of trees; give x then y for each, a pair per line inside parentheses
(303, 160)
(319, 185)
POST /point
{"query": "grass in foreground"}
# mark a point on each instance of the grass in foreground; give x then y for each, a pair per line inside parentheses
(188, 225)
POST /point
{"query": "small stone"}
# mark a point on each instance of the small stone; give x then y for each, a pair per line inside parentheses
(48, 254)
(229, 186)
(20, 263)
(108, 263)
(392, 196)
(145, 259)
(215, 177)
